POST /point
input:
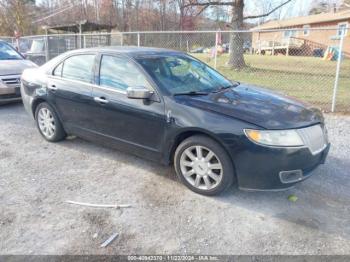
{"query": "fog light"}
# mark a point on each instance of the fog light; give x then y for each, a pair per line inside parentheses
(291, 176)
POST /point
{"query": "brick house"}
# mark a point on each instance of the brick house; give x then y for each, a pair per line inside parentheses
(303, 41)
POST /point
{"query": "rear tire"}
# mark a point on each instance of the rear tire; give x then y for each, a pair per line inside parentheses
(203, 165)
(48, 123)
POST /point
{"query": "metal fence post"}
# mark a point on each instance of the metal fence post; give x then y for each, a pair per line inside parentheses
(337, 73)
(84, 40)
(216, 49)
(47, 50)
(138, 39)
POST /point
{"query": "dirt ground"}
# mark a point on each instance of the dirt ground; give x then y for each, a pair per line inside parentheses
(37, 177)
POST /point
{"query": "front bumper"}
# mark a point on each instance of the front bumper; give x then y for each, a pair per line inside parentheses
(10, 94)
(271, 168)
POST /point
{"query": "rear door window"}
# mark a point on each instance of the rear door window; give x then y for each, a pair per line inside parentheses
(79, 67)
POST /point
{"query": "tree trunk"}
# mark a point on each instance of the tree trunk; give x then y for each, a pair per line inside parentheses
(236, 60)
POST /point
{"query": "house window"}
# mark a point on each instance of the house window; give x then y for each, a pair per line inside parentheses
(306, 30)
(342, 29)
(290, 33)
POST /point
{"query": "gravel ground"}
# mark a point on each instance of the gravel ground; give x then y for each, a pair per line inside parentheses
(37, 177)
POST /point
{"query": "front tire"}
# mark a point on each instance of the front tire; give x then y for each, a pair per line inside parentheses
(203, 165)
(48, 123)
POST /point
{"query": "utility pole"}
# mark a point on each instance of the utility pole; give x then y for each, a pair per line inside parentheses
(97, 5)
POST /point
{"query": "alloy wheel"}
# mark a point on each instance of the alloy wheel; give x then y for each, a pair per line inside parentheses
(46, 122)
(201, 167)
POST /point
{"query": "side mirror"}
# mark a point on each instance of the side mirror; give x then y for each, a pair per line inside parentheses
(138, 92)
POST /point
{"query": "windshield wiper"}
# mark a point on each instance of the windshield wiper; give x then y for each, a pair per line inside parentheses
(192, 93)
(225, 87)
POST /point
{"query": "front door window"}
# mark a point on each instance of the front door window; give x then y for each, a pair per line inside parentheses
(120, 73)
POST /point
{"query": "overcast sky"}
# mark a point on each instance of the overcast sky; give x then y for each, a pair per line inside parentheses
(292, 9)
(256, 6)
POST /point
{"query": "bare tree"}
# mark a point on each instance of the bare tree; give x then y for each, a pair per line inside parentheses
(14, 15)
(319, 7)
(325, 6)
(236, 60)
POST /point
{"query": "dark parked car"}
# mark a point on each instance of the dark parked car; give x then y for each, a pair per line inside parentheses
(169, 107)
(12, 65)
(246, 47)
(197, 50)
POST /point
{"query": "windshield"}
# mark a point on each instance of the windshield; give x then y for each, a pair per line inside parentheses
(8, 53)
(180, 74)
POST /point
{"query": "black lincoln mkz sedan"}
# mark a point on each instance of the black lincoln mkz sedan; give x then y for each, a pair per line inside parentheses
(167, 106)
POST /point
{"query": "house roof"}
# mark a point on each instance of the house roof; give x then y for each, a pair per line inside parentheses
(86, 26)
(306, 20)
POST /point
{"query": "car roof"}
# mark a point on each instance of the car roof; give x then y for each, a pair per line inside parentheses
(128, 50)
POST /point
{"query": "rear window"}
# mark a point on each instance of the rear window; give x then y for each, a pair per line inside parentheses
(79, 67)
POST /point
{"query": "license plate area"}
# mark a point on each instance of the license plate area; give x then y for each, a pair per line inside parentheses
(7, 91)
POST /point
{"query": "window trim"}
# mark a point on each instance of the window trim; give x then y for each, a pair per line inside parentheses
(346, 29)
(109, 89)
(71, 80)
(53, 71)
(306, 27)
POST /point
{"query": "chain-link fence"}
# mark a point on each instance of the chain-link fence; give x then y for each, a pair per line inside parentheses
(303, 63)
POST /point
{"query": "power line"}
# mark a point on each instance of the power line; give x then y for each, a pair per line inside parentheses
(53, 14)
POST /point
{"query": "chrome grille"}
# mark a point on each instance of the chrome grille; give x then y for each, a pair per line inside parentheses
(314, 138)
(11, 81)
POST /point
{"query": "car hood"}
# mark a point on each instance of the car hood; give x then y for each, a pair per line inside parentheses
(14, 67)
(257, 106)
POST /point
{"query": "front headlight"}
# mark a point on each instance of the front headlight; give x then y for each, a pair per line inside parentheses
(274, 137)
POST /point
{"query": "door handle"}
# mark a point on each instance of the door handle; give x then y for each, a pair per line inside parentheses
(52, 87)
(101, 100)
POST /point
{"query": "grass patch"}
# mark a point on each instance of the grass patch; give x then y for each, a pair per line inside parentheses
(309, 79)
